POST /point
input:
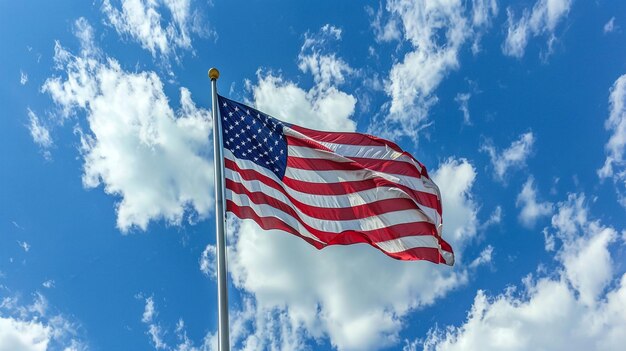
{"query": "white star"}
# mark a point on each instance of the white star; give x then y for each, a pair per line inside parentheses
(265, 140)
(256, 159)
(231, 127)
(236, 108)
(276, 142)
(247, 112)
(254, 121)
(271, 148)
(244, 154)
(276, 158)
(281, 152)
(248, 127)
(237, 147)
(236, 123)
(243, 117)
(254, 136)
(276, 169)
(265, 153)
(231, 139)
(225, 105)
(230, 114)
(227, 142)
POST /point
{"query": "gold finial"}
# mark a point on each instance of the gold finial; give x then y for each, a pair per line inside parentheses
(214, 73)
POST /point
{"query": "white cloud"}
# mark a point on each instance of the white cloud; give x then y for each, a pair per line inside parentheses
(23, 77)
(159, 334)
(39, 133)
(484, 257)
(576, 307)
(48, 284)
(610, 26)
(542, 20)
(148, 311)
(352, 295)
(436, 31)
(142, 21)
(531, 209)
(208, 261)
(512, 157)
(615, 165)
(327, 69)
(463, 101)
(135, 144)
(24, 245)
(32, 328)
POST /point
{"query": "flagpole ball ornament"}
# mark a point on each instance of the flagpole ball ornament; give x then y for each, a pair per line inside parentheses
(214, 73)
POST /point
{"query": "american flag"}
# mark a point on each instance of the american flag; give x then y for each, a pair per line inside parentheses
(330, 188)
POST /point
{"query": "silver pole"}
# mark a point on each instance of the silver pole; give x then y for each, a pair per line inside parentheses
(220, 221)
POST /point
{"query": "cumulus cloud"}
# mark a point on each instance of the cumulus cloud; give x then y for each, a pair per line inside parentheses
(132, 142)
(541, 20)
(436, 32)
(298, 293)
(531, 208)
(512, 157)
(142, 21)
(615, 165)
(32, 327)
(576, 307)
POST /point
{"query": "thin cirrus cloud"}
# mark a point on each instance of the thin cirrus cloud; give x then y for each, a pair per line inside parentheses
(542, 20)
(574, 307)
(616, 124)
(136, 146)
(142, 21)
(437, 31)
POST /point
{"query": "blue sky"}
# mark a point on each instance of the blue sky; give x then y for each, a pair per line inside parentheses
(518, 109)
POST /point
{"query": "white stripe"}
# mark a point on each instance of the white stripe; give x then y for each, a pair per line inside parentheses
(329, 201)
(382, 152)
(408, 242)
(391, 246)
(419, 184)
(381, 221)
(313, 176)
(269, 211)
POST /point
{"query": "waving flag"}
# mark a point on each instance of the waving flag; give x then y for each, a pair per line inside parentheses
(330, 188)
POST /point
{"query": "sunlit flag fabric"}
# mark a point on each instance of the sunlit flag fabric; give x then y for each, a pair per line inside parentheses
(330, 188)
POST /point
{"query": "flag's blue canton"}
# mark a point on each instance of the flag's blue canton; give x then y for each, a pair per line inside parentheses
(253, 135)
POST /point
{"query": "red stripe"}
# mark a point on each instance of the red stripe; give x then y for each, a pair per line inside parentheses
(345, 237)
(383, 166)
(375, 208)
(269, 223)
(342, 188)
(349, 138)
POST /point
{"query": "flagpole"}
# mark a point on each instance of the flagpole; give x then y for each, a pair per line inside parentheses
(220, 221)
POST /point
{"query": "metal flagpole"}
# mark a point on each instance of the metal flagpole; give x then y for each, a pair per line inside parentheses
(220, 221)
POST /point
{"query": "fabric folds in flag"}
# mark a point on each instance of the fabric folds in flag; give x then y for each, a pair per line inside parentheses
(330, 188)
